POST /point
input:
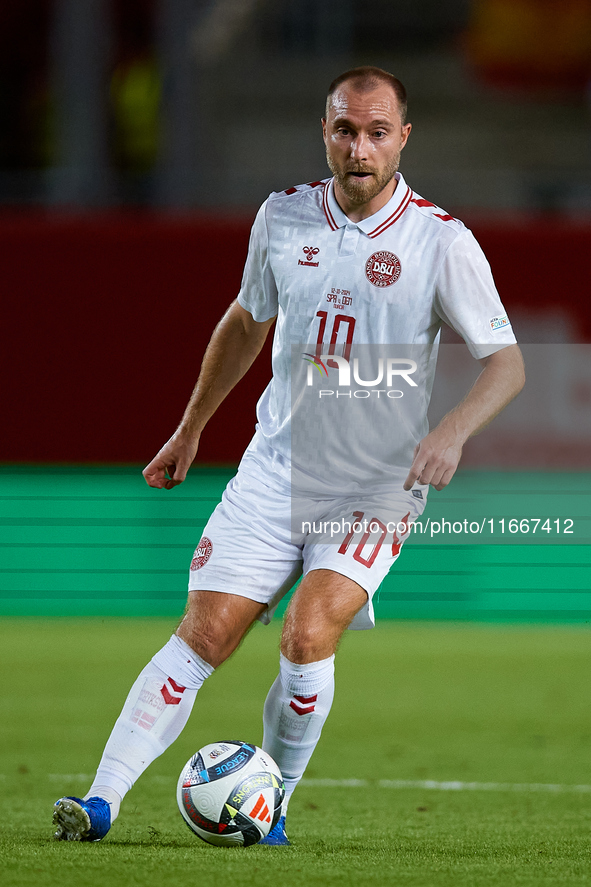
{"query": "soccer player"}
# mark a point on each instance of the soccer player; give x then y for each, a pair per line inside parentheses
(355, 265)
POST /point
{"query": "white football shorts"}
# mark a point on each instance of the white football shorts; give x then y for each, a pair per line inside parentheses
(260, 539)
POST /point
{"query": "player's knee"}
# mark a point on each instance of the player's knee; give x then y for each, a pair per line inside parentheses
(213, 626)
(211, 641)
(211, 646)
(308, 643)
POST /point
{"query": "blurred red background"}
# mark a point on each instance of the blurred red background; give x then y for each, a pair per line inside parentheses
(107, 319)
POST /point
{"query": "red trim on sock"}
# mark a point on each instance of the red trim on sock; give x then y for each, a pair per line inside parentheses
(168, 697)
(301, 711)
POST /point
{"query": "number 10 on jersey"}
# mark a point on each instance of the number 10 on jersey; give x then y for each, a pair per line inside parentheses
(340, 320)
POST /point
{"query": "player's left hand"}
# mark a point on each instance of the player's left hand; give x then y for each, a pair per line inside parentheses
(436, 458)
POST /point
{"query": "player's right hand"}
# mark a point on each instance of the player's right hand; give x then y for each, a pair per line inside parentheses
(169, 467)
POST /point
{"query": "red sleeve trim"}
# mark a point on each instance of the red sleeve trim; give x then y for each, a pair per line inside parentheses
(445, 217)
(422, 202)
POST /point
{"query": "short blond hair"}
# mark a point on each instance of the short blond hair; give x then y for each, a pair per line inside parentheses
(367, 78)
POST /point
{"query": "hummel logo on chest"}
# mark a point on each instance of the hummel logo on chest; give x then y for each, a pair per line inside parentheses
(309, 252)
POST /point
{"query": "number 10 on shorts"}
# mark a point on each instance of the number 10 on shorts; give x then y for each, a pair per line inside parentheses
(367, 527)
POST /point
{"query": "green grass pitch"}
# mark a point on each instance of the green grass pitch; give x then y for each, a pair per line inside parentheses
(505, 705)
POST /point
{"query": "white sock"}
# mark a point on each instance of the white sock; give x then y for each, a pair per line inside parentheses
(295, 711)
(154, 714)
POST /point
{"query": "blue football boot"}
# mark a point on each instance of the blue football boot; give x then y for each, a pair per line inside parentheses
(277, 836)
(79, 820)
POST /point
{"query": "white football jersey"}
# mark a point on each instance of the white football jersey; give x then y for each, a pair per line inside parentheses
(380, 289)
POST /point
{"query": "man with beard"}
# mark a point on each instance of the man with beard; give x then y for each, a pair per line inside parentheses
(354, 261)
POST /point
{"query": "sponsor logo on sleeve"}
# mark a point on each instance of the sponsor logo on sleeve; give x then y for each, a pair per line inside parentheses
(498, 323)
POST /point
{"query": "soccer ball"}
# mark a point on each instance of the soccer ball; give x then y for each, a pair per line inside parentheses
(230, 793)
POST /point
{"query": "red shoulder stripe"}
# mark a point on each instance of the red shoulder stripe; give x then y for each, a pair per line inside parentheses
(290, 191)
(422, 202)
(329, 216)
(444, 218)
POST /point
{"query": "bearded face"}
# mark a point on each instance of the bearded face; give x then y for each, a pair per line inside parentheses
(361, 183)
(364, 135)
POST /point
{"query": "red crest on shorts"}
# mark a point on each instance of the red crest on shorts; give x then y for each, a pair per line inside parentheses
(383, 268)
(202, 553)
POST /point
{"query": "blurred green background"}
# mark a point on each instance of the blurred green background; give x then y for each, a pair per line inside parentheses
(83, 541)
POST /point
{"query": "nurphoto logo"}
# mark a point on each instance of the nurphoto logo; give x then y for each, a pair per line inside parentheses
(389, 369)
